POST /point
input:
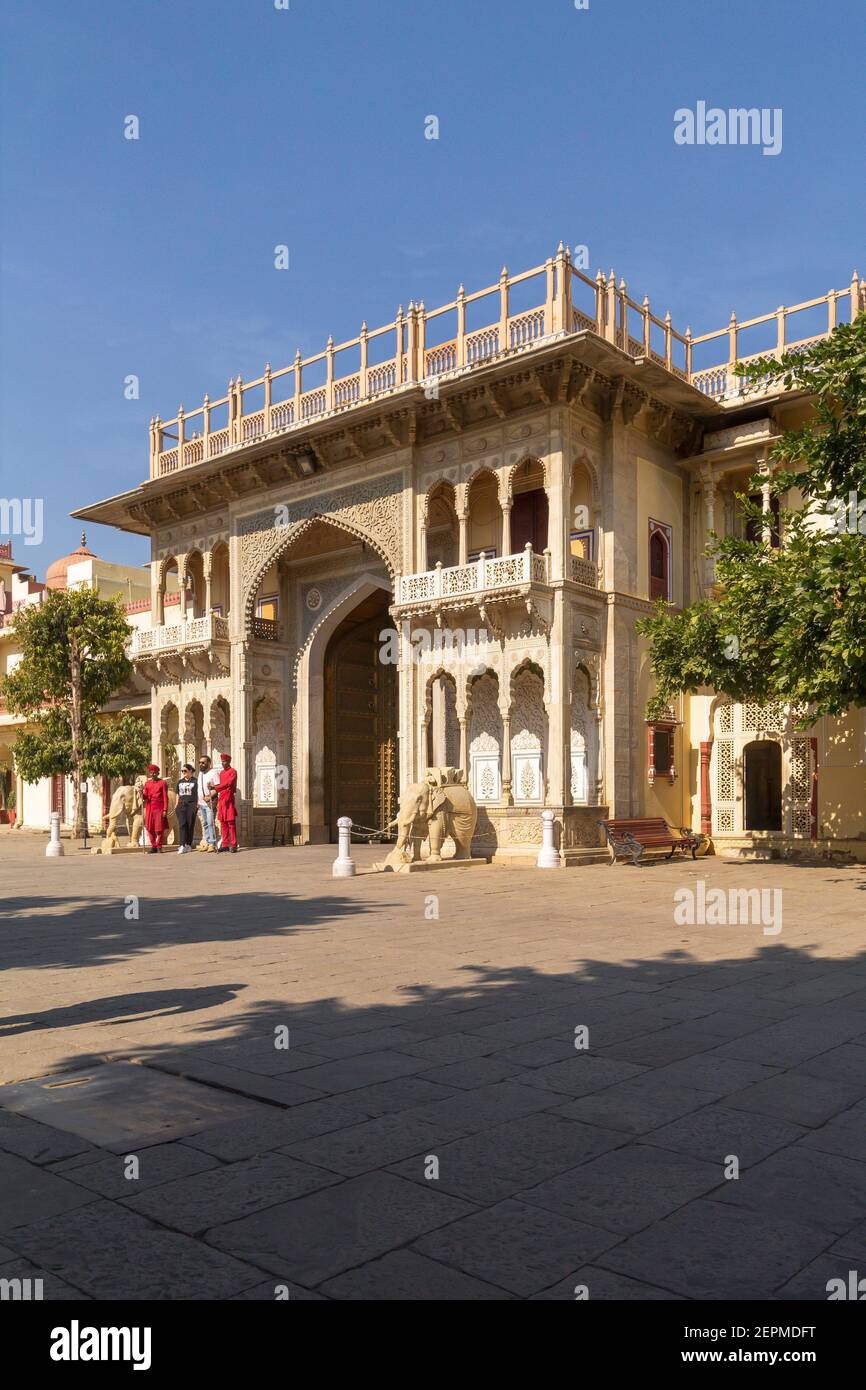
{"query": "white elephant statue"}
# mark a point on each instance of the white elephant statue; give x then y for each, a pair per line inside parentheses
(127, 802)
(440, 806)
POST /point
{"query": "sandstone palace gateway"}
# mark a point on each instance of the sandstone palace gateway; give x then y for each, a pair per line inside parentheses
(535, 464)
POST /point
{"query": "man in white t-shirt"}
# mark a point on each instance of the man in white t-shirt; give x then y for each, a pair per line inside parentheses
(208, 778)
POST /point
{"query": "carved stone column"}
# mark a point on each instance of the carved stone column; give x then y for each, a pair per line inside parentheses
(463, 522)
(463, 722)
(507, 798)
(506, 526)
(207, 565)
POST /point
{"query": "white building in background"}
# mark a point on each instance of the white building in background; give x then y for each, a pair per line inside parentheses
(29, 805)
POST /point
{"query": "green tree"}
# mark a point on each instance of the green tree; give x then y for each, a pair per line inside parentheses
(73, 657)
(788, 623)
(120, 748)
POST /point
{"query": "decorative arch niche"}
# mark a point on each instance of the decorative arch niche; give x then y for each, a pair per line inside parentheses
(529, 735)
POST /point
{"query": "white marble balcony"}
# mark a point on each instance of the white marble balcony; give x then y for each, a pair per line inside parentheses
(486, 575)
(185, 634)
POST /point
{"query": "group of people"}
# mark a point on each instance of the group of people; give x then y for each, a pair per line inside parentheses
(208, 795)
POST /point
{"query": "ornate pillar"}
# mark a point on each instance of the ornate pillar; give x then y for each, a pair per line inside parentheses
(463, 722)
(243, 747)
(463, 522)
(437, 695)
(507, 798)
(766, 509)
(207, 564)
(506, 526)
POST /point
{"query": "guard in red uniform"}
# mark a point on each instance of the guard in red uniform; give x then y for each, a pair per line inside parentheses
(154, 794)
(226, 813)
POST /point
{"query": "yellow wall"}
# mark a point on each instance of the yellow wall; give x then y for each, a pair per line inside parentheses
(842, 776)
(659, 498)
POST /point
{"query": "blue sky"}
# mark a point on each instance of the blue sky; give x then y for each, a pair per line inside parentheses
(305, 127)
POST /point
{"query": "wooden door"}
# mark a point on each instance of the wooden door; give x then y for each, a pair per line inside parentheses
(529, 521)
(360, 726)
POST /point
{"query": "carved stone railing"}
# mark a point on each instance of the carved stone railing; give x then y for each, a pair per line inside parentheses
(186, 632)
(721, 381)
(483, 575)
(584, 572)
(411, 357)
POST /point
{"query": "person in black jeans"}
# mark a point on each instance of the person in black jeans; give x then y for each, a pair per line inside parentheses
(187, 807)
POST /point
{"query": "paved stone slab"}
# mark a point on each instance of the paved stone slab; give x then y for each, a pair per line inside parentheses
(602, 1285)
(811, 1283)
(715, 1132)
(718, 1076)
(788, 1043)
(316, 1237)
(714, 1250)
(844, 1134)
(450, 1047)
(229, 1192)
(28, 1192)
(268, 1130)
(626, 1190)
(471, 1111)
(105, 1173)
(819, 1188)
(113, 1253)
(581, 1074)
(636, 1106)
(361, 1148)
(405, 1275)
(276, 1090)
(261, 1056)
(374, 1040)
(274, 1290)
(404, 1092)
(40, 1143)
(803, 1100)
(488, 1167)
(842, 1064)
(852, 1245)
(473, 1072)
(521, 1248)
(52, 1288)
(117, 1104)
(351, 1073)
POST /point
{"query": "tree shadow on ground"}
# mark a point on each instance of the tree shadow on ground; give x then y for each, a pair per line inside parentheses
(601, 1165)
(74, 932)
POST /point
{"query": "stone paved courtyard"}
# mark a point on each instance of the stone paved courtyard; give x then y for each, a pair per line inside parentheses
(415, 1039)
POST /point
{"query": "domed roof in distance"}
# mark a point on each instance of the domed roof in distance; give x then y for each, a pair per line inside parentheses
(56, 576)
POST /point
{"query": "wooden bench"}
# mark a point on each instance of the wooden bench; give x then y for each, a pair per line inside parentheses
(633, 836)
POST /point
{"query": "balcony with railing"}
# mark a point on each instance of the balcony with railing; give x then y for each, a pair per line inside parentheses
(185, 634)
(421, 345)
(486, 575)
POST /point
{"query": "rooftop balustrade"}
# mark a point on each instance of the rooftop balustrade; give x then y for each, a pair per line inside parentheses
(408, 354)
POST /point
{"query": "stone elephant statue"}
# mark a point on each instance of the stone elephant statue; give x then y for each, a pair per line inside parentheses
(440, 806)
(127, 802)
(451, 811)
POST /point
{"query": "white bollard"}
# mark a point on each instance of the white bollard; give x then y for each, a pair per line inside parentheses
(548, 855)
(54, 848)
(344, 864)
